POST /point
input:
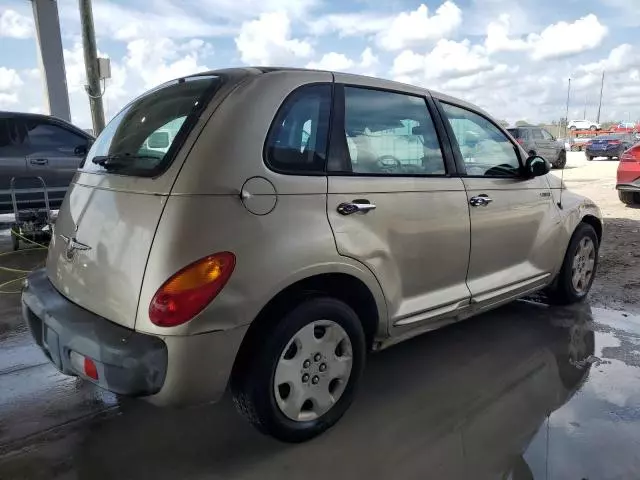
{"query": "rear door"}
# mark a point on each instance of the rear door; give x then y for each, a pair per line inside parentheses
(55, 153)
(393, 202)
(12, 158)
(514, 222)
(551, 146)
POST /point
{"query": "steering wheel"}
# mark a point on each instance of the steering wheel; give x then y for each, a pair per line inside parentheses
(389, 163)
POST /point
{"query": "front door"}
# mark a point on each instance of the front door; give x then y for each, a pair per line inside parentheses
(514, 222)
(54, 155)
(392, 204)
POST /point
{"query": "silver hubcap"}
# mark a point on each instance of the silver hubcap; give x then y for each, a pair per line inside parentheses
(313, 370)
(583, 263)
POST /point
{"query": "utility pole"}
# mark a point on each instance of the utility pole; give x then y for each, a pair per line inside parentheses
(566, 115)
(600, 103)
(91, 65)
(584, 117)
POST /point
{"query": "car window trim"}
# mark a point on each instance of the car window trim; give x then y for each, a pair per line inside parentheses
(338, 148)
(461, 166)
(298, 173)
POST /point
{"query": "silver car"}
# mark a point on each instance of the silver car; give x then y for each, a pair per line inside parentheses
(298, 221)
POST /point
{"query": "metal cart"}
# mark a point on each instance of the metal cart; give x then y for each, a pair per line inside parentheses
(33, 224)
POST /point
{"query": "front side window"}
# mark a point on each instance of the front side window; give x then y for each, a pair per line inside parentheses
(390, 134)
(297, 140)
(143, 138)
(546, 135)
(485, 150)
(43, 135)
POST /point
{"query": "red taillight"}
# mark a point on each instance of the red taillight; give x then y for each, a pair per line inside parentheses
(90, 369)
(614, 142)
(190, 290)
(631, 155)
(520, 141)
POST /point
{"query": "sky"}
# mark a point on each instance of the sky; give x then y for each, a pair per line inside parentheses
(510, 57)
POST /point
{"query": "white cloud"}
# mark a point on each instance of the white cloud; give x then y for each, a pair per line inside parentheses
(267, 41)
(9, 79)
(350, 24)
(557, 40)
(15, 25)
(562, 38)
(448, 59)
(8, 99)
(416, 27)
(621, 58)
(339, 62)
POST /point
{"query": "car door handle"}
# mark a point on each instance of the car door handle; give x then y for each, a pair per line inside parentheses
(38, 161)
(357, 206)
(480, 200)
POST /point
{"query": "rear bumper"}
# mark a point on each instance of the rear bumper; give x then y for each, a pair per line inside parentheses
(169, 370)
(127, 362)
(604, 153)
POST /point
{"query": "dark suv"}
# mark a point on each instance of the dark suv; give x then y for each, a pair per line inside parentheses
(538, 141)
(38, 146)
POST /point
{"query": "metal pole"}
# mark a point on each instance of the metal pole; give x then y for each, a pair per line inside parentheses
(600, 103)
(585, 108)
(91, 65)
(566, 115)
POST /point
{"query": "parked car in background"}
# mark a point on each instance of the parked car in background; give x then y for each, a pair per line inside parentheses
(610, 146)
(38, 145)
(299, 220)
(628, 177)
(626, 127)
(538, 141)
(583, 125)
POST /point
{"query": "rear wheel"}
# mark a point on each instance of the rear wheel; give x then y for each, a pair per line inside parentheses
(589, 158)
(629, 198)
(572, 127)
(593, 128)
(578, 268)
(301, 377)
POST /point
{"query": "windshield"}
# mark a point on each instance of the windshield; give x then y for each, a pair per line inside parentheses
(143, 138)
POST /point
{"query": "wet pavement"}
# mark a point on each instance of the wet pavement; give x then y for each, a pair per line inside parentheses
(527, 391)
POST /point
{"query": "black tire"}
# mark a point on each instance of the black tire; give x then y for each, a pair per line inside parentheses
(629, 198)
(589, 158)
(532, 153)
(15, 242)
(252, 387)
(561, 161)
(572, 127)
(562, 292)
(593, 128)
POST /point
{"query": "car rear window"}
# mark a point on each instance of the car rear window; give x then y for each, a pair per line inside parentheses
(144, 137)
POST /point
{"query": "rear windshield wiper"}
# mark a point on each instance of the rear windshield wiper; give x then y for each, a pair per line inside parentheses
(120, 160)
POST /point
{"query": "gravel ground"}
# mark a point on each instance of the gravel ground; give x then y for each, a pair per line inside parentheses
(617, 283)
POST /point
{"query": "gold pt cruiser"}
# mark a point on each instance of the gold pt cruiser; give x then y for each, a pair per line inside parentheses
(264, 229)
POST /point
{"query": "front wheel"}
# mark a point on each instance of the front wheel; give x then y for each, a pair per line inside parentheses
(572, 127)
(578, 267)
(589, 158)
(562, 160)
(593, 128)
(301, 377)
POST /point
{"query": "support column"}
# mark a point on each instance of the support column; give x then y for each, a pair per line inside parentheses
(45, 15)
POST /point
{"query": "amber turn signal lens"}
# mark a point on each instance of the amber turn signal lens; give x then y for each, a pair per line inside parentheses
(191, 289)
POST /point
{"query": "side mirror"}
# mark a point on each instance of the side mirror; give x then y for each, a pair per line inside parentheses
(536, 166)
(81, 150)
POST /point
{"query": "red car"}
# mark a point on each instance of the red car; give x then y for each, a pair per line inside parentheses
(628, 179)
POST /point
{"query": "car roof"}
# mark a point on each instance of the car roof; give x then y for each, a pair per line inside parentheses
(40, 116)
(374, 82)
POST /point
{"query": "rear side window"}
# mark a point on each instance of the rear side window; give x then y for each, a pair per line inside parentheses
(537, 134)
(514, 132)
(12, 134)
(297, 140)
(143, 139)
(390, 133)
